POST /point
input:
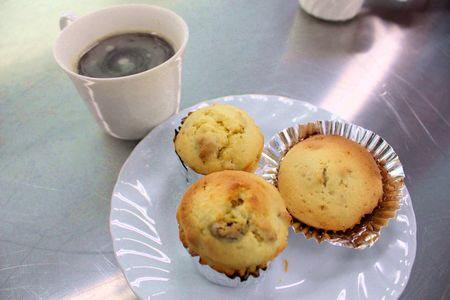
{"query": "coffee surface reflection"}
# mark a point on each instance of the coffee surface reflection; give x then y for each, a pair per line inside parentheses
(124, 54)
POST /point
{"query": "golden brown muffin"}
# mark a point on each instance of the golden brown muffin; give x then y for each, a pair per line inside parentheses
(219, 137)
(235, 221)
(329, 182)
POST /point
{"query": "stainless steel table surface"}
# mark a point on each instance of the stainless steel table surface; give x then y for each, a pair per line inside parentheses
(387, 70)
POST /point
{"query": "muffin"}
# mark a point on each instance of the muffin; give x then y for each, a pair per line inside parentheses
(234, 221)
(329, 182)
(219, 137)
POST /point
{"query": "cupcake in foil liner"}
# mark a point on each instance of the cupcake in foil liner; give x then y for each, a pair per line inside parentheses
(235, 281)
(193, 175)
(367, 232)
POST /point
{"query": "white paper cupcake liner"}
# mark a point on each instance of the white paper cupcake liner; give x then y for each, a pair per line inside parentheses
(367, 232)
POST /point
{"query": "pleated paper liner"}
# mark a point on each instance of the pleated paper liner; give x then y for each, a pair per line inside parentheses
(367, 232)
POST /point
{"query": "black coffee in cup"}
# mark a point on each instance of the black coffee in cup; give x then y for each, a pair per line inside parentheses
(124, 54)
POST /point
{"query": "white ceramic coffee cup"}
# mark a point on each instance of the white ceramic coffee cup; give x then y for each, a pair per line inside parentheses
(125, 107)
(332, 10)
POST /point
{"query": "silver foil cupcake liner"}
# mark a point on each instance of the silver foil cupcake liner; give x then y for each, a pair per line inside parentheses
(190, 175)
(222, 279)
(367, 232)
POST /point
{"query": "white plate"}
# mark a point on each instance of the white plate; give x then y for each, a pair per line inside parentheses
(145, 231)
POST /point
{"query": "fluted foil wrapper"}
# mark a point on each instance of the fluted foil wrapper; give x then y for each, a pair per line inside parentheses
(190, 175)
(367, 232)
(222, 279)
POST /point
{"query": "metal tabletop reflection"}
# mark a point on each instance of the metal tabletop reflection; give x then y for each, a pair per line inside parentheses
(387, 70)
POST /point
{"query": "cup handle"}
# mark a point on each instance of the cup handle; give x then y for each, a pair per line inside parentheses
(66, 19)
